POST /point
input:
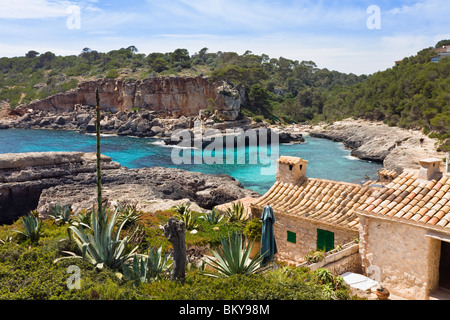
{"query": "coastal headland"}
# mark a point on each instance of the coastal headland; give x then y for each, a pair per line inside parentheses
(43, 180)
(157, 107)
(396, 148)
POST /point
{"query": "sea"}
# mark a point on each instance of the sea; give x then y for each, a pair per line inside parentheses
(253, 166)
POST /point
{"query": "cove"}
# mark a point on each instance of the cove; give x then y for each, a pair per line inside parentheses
(327, 159)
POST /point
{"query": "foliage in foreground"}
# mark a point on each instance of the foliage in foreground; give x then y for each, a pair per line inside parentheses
(234, 258)
(29, 273)
(100, 242)
(32, 227)
(286, 283)
(150, 267)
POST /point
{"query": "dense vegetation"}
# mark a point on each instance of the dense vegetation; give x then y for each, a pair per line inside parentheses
(413, 94)
(36, 268)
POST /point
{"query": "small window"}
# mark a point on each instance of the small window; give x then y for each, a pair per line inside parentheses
(291, 237)
(301, 167)
(291, 167)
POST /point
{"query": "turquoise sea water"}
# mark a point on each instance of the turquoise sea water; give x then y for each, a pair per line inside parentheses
(327, 159)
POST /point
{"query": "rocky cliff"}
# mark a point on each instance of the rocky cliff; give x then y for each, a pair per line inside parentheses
(42, 180)
(395, 147)
(177, 96)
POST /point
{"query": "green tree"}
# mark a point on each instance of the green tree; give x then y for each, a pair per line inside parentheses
(32, 54)
(180, 57)
(159, 65)
(442, 43)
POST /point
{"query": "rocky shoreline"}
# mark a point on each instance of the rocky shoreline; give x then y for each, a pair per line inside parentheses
(42, 180)
(396, 148)
(154, 124)
(154, 107)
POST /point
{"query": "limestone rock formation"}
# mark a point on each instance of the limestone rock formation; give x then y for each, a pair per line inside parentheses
(396, 148)
(177, 96)
(42, 180)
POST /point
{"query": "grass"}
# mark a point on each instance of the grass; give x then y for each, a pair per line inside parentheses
(28, 271)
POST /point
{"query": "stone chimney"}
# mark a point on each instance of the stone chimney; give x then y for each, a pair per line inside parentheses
(291, 169)
(430, 169)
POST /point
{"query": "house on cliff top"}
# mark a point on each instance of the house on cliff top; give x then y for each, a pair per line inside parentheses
(402, 223)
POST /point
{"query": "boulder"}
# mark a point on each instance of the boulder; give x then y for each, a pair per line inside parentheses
(91, 126)
(60, 121)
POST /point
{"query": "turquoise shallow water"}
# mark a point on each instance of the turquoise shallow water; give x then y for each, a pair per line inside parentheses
(327, 159)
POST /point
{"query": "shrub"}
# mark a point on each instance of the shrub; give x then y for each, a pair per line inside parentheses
(61, 215)
(213, 217)
(234, 258)
(258, 118)
(33, 227)
(253, 229)
(315, 256)
(236, 212)
(281, 284)
(147, 268)
(112, 74)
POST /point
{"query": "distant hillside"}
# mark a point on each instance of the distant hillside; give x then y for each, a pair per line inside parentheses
(413, 94)
(272, 85)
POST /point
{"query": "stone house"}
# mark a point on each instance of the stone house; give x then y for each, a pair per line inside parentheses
(311, 213)
(402, 223)
(405, 232)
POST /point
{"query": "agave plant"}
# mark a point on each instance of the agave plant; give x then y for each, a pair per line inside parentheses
(83, 218)
(236, 212)
(189, 220)
(213, 217)
(128, 212)
(182, 209)
(33, 226)
(234, 258)
(147, 268)
(62, 215)
(100, 243)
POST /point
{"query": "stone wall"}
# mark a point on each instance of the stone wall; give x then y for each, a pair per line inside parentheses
(306, 231)
(339, 261)
(404, 259)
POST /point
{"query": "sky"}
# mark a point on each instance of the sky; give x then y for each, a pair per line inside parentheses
(360, 37)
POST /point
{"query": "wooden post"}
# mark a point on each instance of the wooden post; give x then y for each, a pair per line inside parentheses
(175, 232)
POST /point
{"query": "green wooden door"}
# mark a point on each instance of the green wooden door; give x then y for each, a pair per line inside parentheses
(325, 240)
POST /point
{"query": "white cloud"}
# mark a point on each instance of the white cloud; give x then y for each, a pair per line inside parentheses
(33, 9)
(43, 9)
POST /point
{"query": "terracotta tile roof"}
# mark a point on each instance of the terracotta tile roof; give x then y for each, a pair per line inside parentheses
(317, 199)
(412, 199)
(385, 174)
